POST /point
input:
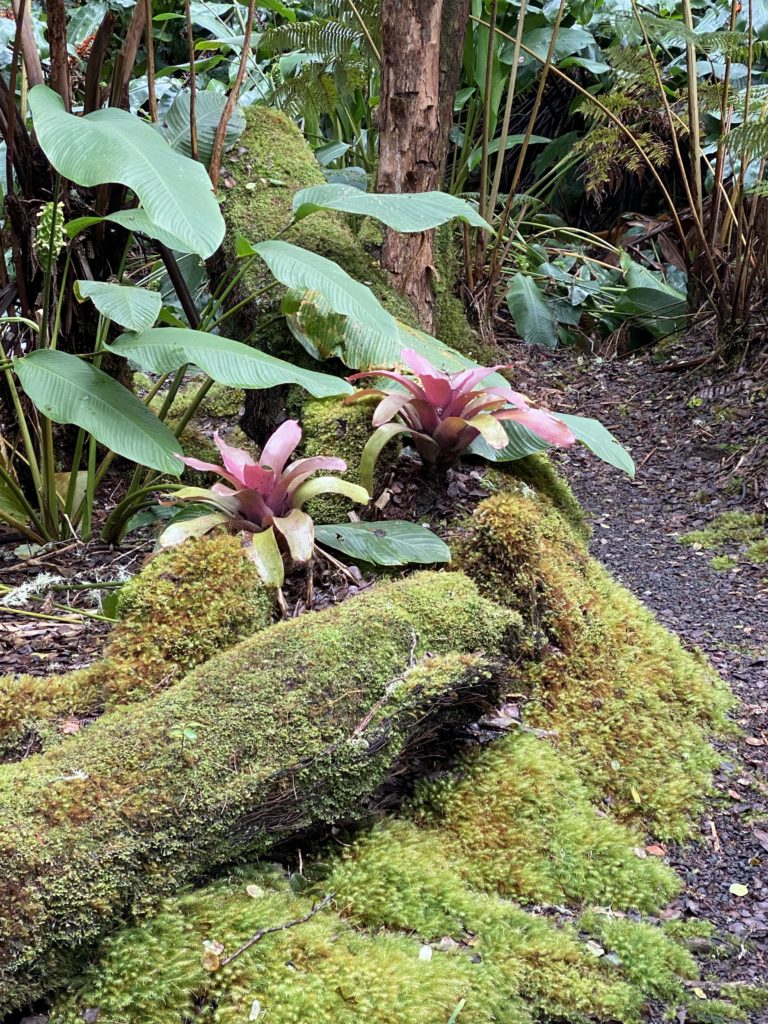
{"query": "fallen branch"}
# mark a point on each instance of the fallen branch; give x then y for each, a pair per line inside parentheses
(316, 908)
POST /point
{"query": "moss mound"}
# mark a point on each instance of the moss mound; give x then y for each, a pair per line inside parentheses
(630, 707)
(186, 605)
(416, 933)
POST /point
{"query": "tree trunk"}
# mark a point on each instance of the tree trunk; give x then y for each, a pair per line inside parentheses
(410, 135)
(452, 36)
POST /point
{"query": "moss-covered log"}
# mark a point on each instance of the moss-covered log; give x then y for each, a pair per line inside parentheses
(290, 729)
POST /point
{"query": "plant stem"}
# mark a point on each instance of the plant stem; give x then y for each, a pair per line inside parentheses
(508, 108)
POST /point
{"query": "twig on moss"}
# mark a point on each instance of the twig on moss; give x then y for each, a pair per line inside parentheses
(316, 908)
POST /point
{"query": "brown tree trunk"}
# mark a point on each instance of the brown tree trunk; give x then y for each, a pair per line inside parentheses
(410, 135)
(452, 36)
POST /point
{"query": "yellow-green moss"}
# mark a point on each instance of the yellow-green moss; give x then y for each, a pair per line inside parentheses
(403, 890)
(186, 605)
(332, 427)
(520, 821)
(732, 535)
(539, 473)
(630, 706)
(274, 162)
(292, 727)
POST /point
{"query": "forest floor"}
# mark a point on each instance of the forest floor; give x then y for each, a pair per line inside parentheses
(695, 443)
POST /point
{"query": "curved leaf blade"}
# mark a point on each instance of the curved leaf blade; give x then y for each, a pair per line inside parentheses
(533, 319)
(600, 442)
(208, 110)
(165, 349)
(111, 145)
(407, 212)
(133, 308)
(390, 542)
(302, 270)
(68, 390)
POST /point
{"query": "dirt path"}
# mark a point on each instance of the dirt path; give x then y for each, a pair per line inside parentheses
(677, 444)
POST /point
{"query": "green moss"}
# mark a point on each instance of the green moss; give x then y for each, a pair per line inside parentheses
(186, 605)
(539, 473)
(523, 825)
(723, 563)
(292, 727)
(331, 427)
(273, 163)
(732, 535)
(631, 708)
(648, 957)
(403, 889)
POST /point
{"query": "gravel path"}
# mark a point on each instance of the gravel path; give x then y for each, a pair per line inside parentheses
(677, 443)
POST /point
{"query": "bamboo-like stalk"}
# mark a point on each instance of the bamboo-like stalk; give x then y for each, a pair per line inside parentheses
(149, 35)
(221, 130)
(508, 107)
(487, 127)
(364, 30)
(192, 82)
(614, 120)
(694, 125)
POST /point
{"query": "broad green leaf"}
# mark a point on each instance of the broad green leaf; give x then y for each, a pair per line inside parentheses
(135, 220)
(69, 390)
(165, 349)
(390, 542)
(208, 110)
(330, 151)
(111, 145)
(197, 526)
(533, 319)
(324, 335)
(11, 503)
(405, 212)
(663, 311)
(591, 433)
(130, 307)
(600, 442)
(302, 270)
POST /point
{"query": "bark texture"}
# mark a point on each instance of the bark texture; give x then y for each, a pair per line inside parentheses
(409, 142)
(290, 730)
(452, 35)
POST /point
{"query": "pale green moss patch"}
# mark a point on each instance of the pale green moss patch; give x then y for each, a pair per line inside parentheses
(733, 536)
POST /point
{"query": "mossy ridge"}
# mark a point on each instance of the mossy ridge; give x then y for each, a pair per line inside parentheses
(128, 812)
(186, 605)
(733, 536)
(632, 709)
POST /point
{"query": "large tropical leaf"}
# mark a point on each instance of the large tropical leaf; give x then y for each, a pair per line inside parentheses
(600, 442)
(165, 349)
(406, 211)
(591, 433)
(208, 110)
(391, 542)
(533, 318)
(325, 335)
(69, 390)
(133, 308)
(111, 145)
(302, 270)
